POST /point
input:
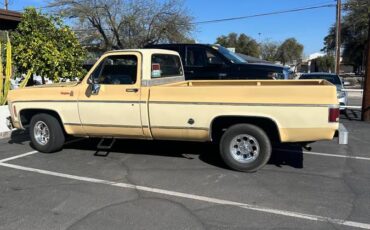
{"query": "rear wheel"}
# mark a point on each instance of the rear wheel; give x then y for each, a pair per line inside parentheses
(245, 147)
(46, 133)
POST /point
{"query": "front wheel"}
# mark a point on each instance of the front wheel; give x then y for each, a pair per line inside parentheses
(245, 147)
(46, 133)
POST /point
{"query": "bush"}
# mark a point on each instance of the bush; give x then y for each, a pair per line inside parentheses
(43, 45)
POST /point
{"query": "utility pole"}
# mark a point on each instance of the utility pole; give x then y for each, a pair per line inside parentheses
(6, 4)
(366, 95)
(337, 37)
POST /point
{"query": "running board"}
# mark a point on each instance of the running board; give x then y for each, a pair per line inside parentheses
(104, 145)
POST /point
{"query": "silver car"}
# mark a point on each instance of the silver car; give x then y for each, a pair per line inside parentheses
(335, 80)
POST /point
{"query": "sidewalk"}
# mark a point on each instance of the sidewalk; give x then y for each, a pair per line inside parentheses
(4, 130)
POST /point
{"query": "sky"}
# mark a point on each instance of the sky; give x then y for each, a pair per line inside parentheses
(308, 27)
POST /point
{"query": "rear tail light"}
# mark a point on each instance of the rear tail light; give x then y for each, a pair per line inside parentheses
(334, 114)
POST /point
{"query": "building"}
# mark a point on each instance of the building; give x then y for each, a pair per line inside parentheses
(9, 20)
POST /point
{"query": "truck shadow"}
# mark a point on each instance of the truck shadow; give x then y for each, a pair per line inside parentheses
(351, 115)
(20, 137)
(282, 155)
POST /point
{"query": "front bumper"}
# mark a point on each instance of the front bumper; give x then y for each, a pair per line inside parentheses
(9, 123)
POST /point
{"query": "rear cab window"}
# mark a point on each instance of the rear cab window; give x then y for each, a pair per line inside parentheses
(166, 65)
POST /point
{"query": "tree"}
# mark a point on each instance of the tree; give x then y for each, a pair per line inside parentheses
(353, 34)
(290, 50)
(325, 63)
(46, 47)
(119, 24)
(5, 80)
(242, 44)
(269, 50)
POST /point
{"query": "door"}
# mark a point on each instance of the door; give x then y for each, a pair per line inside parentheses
(114, 108)
(204, 64)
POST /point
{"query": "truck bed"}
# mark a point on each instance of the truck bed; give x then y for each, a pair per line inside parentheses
(309, 92)
(252, 83)
(299, 108)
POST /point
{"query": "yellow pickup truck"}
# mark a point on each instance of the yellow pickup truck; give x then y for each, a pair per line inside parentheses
(141, 94)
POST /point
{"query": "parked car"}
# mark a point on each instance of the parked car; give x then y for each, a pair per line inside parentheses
(214, 62)
(141, 94)
(332, 78)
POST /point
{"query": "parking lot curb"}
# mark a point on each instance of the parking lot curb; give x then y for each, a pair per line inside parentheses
(5, 134)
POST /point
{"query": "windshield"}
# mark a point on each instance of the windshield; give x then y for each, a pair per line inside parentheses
(229, 55)
(334, 79)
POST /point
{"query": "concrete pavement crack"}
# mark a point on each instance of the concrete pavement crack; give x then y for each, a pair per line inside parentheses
(180, 205)
(97, 210)
(129, 176)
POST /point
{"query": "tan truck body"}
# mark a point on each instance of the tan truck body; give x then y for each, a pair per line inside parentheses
(162, 108)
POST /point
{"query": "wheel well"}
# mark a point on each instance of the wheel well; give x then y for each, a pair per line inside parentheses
(27, 114)
(220, 124)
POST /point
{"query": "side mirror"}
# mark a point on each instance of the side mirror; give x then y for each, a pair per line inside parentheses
(95, 86)
(92, 81)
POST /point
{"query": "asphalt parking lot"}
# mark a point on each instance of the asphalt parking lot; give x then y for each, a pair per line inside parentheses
(178, 185)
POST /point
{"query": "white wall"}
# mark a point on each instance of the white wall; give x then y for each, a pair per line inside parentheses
(4, 113)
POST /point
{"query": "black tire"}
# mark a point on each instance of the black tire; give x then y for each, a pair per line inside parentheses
(56, 133)
(260, 141)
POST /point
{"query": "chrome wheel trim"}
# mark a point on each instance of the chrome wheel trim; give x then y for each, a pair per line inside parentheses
(244, 148)
(41, 133)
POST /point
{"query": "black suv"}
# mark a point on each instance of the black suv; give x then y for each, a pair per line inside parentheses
(211, 62)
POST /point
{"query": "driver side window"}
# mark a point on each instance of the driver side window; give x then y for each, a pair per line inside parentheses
(202, 57)
(117, 70)
(213, 59)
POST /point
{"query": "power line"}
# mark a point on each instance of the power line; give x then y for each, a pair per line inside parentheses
(233, 18)
(265, 14)
(244, 17)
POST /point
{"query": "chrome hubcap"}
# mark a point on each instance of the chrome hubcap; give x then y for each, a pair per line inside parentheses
(244, 148)
(41, 133)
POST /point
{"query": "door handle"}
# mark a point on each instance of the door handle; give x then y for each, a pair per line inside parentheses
(189, 71)
(133, 90)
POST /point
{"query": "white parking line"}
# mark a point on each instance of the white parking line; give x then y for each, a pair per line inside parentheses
(195, 197)
(18, 156)
(323, 154)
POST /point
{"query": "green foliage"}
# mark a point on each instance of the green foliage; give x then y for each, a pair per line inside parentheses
(325, 63)
(242, 44)
(44, 46)
(290, 50)
(269, 50)
(353, 35)
(5, 80)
